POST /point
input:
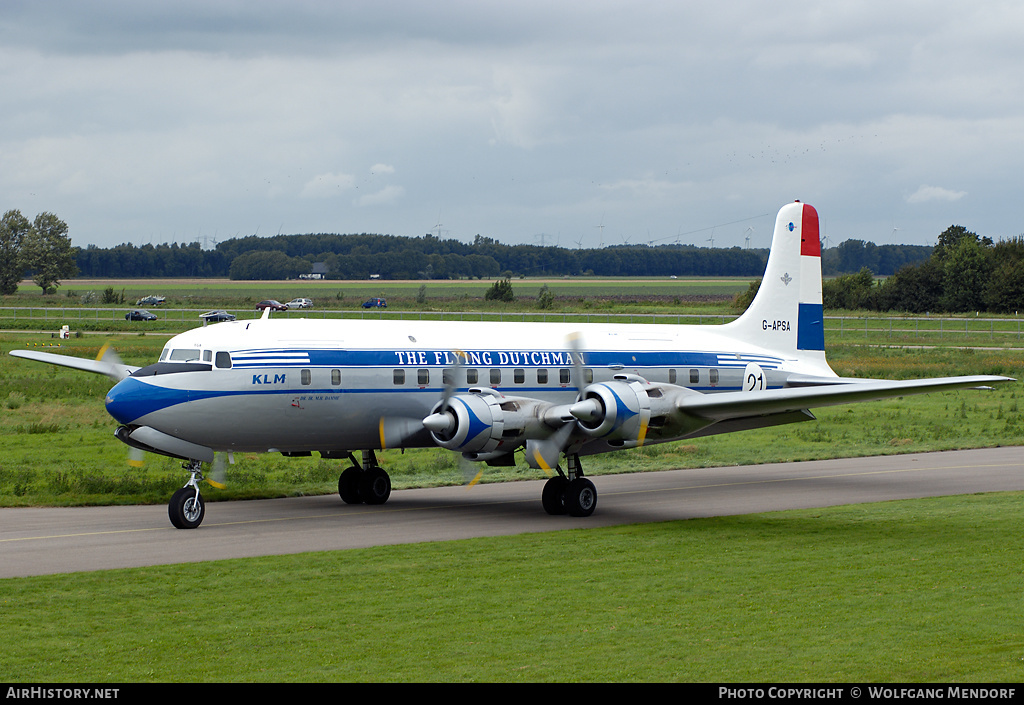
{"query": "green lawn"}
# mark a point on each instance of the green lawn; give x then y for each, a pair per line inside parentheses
(911, 591)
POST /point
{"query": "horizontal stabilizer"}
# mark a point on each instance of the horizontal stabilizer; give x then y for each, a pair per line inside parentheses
(731, 405)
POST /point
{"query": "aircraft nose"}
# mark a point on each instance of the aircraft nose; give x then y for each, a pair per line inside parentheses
(132, 399)
(121, 401)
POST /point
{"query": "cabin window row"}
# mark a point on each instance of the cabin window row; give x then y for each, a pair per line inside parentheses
(543, 376)
(694, 376)
(493, 376)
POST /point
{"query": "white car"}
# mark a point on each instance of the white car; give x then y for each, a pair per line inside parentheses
(299, 303)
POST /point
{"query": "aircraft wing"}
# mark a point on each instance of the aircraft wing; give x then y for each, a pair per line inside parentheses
(732, 405)
(108, 363)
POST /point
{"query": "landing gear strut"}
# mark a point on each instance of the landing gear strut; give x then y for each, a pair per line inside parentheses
(186, 508)
(365, 484)
(574, 494)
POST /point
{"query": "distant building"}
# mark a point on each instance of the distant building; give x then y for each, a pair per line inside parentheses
(319, 271)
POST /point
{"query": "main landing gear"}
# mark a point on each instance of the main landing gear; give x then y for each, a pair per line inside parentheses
(365, 484)
(574, 494)
(186, 508)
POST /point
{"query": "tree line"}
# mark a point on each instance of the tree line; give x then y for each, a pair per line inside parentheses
(359, 256)
(964, 273)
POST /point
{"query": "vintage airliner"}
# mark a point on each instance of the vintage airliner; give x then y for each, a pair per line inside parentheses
(488, 390)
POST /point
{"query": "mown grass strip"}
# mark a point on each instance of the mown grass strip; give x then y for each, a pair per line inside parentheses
(911, 591)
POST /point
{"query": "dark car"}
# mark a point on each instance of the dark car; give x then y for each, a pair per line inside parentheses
(151, 301)
(139, 314)
(217, 316)
(375, 303)
(272, 305)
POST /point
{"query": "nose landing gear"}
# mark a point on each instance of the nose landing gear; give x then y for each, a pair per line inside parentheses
(186, 508)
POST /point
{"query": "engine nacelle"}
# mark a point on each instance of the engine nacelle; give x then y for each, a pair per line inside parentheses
(484, 420)
(626, 409)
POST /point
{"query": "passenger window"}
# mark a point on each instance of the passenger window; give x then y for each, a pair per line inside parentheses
(472, 376)
(519, 376)
(588, 376)
(563, 376)
(306, 377)
(672, 376)
(495, 377)
(335, 377)
(399, 376)
(714, 376)
(223, 360)
(694, 376)
(542, 376)
(423, 377)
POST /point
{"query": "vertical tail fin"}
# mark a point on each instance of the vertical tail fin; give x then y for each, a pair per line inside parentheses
(786, 315)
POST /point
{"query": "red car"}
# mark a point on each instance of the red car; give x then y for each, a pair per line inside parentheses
(272, 305)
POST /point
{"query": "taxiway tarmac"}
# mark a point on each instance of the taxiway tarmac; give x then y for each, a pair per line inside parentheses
(40, 541)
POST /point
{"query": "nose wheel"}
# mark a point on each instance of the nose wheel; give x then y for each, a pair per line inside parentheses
(186, 508)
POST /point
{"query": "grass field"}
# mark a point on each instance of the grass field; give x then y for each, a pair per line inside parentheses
(924, 591)
(919, 591)
(59, 447)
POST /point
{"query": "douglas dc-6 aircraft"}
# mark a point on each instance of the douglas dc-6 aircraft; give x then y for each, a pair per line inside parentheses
(487, 390)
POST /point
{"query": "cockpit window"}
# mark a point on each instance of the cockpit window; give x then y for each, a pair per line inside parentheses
(223, 360)
(182, 355)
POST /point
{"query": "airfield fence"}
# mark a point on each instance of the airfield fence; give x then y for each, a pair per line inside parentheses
(897, 330)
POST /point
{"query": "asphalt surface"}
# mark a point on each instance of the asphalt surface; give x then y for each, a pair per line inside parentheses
(40, 541)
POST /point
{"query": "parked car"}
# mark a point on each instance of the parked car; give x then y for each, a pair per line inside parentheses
(272, 305)
(217, 316)
(299, 303)
(151, 301)
(375, 303)
(139, 314)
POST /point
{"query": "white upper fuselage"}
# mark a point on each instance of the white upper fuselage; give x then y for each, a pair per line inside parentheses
(296, 385)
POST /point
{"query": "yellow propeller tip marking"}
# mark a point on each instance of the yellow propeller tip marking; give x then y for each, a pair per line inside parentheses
(540, 461)
(380, 426)
(216, 484)
(103, 351)
(475, 479)
(136, 463)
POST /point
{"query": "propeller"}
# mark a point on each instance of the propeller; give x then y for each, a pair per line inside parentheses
(393, 430)
(111, 365)
(217, 471)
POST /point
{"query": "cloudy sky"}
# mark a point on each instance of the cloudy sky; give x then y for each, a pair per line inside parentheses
(576, 123)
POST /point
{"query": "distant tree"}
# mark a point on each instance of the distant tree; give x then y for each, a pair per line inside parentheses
(546, 298)
(1005, 291)
(914, 289)
(13, 229)
(501, 290)
(743, 301)
(47, 252)
(966, 269)
(849, 291)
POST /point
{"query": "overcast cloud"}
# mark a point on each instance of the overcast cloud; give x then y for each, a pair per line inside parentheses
(581, 123)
